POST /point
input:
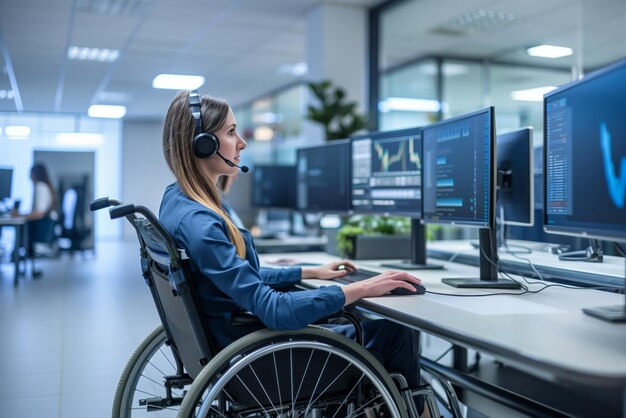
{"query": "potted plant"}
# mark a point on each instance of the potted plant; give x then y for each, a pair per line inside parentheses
(335, 112)
(375, 237)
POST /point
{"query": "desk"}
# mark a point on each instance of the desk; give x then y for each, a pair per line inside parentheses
(21, 239)
(610, 272)
(544, 334)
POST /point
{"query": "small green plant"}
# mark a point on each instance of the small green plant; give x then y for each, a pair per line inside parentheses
(370, 225)
(339, 116)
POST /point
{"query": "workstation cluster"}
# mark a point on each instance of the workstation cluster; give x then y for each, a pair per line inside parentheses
(458, 172)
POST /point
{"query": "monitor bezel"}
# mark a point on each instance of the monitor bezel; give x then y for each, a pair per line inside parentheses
(335, 142)
(252, 191)
(491, 220)
(531, 173)
(575, 231)
(383, 135)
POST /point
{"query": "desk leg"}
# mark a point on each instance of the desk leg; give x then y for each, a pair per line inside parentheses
(459, 362)
(18, 243)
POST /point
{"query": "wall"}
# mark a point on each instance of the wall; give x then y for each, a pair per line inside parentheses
(144, 169)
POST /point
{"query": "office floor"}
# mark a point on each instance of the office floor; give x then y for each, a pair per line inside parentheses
(66, 336)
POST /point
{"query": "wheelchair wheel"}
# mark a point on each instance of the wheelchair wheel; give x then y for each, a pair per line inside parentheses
(143, 379)
(313, 372)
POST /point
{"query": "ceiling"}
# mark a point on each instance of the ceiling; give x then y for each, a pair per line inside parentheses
(241, 45)
(502, 30)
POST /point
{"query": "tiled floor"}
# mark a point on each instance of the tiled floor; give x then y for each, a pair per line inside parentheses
(64, 338)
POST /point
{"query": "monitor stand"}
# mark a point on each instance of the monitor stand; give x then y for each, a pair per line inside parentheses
(418, 251)
(593, 253)
(488, 268)
(616, 313)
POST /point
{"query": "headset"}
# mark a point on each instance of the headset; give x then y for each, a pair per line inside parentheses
(205, 144)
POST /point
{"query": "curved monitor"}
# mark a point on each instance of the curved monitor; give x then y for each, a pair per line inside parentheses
(459, 170)
(387, 173)
(515, 191)
(585, 156)
(323, 178)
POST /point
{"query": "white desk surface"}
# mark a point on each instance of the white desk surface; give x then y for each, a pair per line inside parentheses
(611, 266)
(545, 334)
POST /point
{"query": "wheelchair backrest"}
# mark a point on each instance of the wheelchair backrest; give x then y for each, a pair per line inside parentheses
(175, 300)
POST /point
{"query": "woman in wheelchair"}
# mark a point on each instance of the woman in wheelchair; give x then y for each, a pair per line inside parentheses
(200, 144)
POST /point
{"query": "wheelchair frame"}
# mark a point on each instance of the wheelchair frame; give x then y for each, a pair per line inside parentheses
(203, 382)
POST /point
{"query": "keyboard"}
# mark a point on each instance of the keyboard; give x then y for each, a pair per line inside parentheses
(356, 276)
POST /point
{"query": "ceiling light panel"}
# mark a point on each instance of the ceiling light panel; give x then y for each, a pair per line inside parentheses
(476, 21)
(549, 51)
(92, 54)
(177, 82)
(132, 8)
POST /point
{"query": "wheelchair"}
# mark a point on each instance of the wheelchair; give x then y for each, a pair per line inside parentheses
(308, 373)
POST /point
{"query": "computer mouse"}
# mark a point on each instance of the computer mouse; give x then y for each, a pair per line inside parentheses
(401, 291)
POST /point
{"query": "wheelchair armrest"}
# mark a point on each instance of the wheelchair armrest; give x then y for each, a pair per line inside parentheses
(342, 313)
(246, 319)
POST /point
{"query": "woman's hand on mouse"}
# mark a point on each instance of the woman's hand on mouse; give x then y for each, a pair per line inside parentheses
(379, 285)
(328, 271)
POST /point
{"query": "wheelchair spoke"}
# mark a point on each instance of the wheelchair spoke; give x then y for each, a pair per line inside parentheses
(348, 395)
(263, 387)
(363, 407)
(293, 399)
(317, 383)
(250, 392)
(280, 398)
(167, 358)
(331, 383)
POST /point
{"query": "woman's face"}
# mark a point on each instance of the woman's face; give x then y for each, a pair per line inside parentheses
(231, 145)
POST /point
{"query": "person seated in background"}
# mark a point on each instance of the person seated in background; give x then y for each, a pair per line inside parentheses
(44, 214)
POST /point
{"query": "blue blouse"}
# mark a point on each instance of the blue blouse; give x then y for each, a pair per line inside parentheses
(227, 284)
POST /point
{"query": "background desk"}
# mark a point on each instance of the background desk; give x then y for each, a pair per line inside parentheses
(289, 244)
(544, 334)
(21, 239)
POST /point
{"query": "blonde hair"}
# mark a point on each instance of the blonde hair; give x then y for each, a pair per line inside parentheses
(178, 132)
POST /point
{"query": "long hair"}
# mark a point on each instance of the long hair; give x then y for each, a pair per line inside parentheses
(39, 174)
(178, 132)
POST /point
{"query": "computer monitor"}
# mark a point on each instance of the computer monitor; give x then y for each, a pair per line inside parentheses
(387, 173)
(585, 161)
(387, 179)
(274, 186)
(323, 178)
(460, 184)
(515, 181)
(6, 177)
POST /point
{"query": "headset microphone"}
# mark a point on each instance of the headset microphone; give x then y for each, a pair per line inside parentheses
(243, 168)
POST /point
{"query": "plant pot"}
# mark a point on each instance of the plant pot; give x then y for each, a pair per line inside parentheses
(381, 247)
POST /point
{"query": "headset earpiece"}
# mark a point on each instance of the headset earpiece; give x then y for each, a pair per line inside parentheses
(205, 144)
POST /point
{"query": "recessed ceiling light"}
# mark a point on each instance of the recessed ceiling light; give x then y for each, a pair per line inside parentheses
(79, 138)
(531, 95)
(177, 82)
(17, 131)
(106, 111)
(549, 51)
(7, 94)
(92, 54)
